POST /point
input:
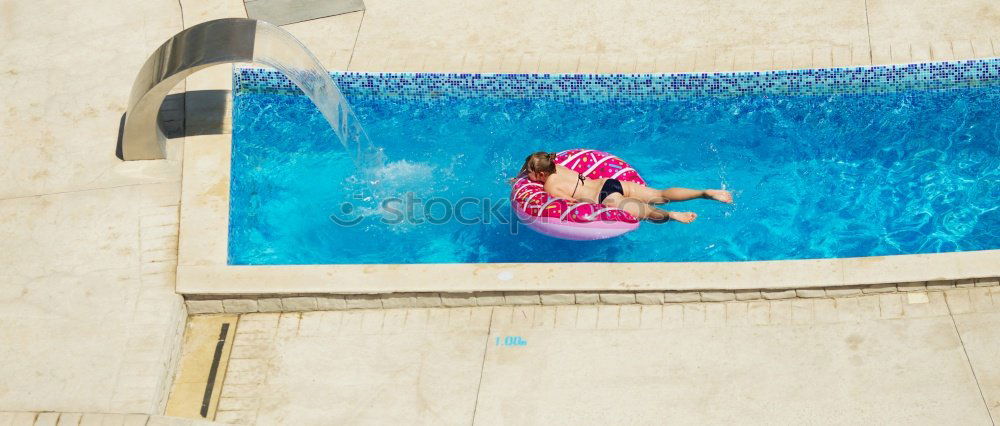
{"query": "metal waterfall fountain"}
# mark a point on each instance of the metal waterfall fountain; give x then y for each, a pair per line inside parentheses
(228, 41)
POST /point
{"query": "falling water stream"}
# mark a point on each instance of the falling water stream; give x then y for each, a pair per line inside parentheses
(277, 48)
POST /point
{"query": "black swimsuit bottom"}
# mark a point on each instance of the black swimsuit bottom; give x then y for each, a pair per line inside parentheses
(611, 186)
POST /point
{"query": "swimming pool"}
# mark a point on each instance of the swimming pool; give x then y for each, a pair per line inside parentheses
(892, 160)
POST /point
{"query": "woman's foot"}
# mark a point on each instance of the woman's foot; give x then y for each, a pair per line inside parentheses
(682, 217)
(720, 195)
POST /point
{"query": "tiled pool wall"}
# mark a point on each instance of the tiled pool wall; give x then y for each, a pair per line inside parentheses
(954, 290)
(602, 87)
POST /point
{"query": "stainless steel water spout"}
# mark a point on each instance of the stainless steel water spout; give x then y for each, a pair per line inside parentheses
(226, 41)
(213, 42)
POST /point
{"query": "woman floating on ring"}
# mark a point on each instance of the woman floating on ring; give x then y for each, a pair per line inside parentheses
(580, 187)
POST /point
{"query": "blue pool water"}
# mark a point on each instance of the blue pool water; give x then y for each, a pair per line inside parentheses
(813, 176)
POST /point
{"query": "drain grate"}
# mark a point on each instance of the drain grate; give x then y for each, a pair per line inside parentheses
(214, 371)
(197, 386)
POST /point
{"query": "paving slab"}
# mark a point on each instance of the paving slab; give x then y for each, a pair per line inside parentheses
(981, 337)
(879, 371)
(87, 311)
(65, 88)
(594, 26)
(356, 367)
(330, 39)
(920, 22)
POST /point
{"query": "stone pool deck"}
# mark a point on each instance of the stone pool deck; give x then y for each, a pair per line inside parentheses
(89, 320)
(916, 358)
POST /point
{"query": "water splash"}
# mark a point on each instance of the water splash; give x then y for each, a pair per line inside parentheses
(403, 176)
(398, 188)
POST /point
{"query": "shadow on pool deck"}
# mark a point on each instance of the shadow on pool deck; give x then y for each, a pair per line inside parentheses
(194, 113)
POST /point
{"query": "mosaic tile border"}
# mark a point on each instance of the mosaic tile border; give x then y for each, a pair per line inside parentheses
(601, 87)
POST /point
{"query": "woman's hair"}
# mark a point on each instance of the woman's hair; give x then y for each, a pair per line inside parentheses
(539, 162)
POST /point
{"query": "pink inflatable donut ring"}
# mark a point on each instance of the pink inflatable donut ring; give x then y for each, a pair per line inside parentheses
(561, 218)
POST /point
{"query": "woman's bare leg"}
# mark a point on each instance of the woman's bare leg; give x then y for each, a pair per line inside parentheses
(658, 196)
(642, 210)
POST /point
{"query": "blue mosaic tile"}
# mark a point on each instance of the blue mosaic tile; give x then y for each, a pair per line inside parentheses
(604, 87)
